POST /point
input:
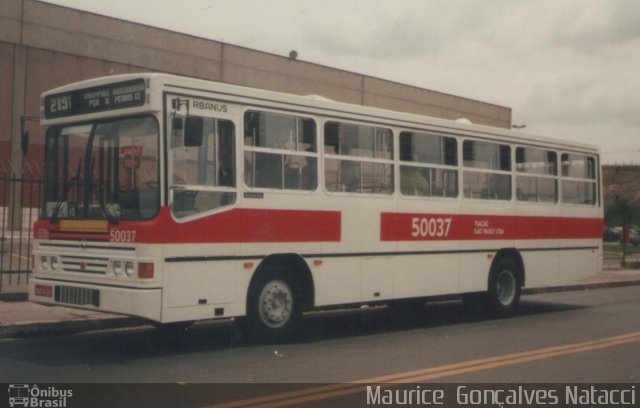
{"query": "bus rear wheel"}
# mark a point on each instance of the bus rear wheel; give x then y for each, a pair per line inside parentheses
(273, 308)
(505, 285)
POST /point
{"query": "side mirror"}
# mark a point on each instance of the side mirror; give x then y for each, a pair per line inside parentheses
(193, 132)
(177, 123)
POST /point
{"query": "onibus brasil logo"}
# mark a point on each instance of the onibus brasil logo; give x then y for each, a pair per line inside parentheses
(32, 396)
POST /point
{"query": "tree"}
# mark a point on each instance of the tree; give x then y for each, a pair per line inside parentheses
(621, 211)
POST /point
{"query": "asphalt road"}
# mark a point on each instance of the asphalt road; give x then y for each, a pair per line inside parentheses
(587, 336)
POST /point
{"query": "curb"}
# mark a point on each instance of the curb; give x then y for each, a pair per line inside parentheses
(80, 326)
(583, 286)
(67, 327)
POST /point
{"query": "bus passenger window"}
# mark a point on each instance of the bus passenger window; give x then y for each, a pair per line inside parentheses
(536, 175)
(489, 165)
(280, 151)
(358, 158)
(429, 165)
(203, 177)
(579, 184)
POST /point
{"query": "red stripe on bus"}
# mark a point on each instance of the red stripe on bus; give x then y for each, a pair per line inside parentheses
(244, 226)
(234, 226)
(440, 227)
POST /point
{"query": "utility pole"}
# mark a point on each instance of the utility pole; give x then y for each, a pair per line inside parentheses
(18, 107)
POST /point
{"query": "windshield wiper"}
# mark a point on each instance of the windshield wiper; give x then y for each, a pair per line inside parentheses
(110, 217)
(99, 189)
(54, 214)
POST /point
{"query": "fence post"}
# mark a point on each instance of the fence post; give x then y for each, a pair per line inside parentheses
(626, 231)
(15, 201)
(625, 240)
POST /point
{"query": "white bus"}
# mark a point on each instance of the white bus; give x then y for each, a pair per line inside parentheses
(177, 199)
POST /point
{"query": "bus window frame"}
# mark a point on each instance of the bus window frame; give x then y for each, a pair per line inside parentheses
(222, 191)
(94, 124)
(595, 181)
(429, 165)
(360, 159)
(489, 171)
(252, 149)
(517, 173)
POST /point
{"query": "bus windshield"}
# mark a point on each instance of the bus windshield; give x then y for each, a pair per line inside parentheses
(102, 170)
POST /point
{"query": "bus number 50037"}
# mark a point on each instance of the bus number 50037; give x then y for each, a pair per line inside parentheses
(122, 235)
(436, 227)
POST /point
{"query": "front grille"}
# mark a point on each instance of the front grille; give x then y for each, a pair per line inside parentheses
(84, 264)
(71, 295)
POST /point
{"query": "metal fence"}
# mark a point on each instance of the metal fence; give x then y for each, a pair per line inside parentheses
(619, 252)
(19, 202)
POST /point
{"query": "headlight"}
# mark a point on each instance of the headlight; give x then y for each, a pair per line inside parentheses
(54, 262)
(117, 268)
(128, 269)
(44, 262)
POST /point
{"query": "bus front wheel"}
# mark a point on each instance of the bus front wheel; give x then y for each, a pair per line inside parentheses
(273, 309)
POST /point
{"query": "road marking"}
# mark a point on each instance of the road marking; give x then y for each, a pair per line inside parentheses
(336, 390)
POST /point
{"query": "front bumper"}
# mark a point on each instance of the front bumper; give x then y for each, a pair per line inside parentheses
(145, 303)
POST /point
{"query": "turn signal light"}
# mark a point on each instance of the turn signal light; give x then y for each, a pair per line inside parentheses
(145, 270)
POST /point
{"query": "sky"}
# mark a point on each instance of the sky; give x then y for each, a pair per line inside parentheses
(569, 69)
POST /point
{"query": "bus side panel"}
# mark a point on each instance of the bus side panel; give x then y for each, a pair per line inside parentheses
(426, 275)
(196, 289)
(356, 268)
(377, 278)
(336, 280)
(474, 271)
(574, 265)
(432, 266)
(354, 279)
(541, 268)
(191, 283)
(578, 264)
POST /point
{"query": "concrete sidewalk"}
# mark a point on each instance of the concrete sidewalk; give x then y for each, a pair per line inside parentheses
(25, 319)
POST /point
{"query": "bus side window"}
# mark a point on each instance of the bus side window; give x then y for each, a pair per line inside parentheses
(578, 179)
(536, 175)
(487, 173)
(204, 175)
(359, 158)
(291, 157)
(429, 165)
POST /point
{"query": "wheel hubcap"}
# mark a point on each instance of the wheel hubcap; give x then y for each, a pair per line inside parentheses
(506, 287)
(275, 307)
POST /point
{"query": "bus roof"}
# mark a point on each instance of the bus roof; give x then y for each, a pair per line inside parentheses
(315, 104)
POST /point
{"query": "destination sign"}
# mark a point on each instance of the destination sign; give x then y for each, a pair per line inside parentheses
(101, 98)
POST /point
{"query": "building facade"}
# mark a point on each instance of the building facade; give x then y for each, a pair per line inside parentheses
(43, 46)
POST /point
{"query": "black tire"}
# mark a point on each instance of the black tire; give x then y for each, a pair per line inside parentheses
(475, 304)
(273, 308)
(505, 286)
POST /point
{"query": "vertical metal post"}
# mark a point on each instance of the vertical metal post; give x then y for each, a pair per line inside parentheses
(625, 232)
(3, 222)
